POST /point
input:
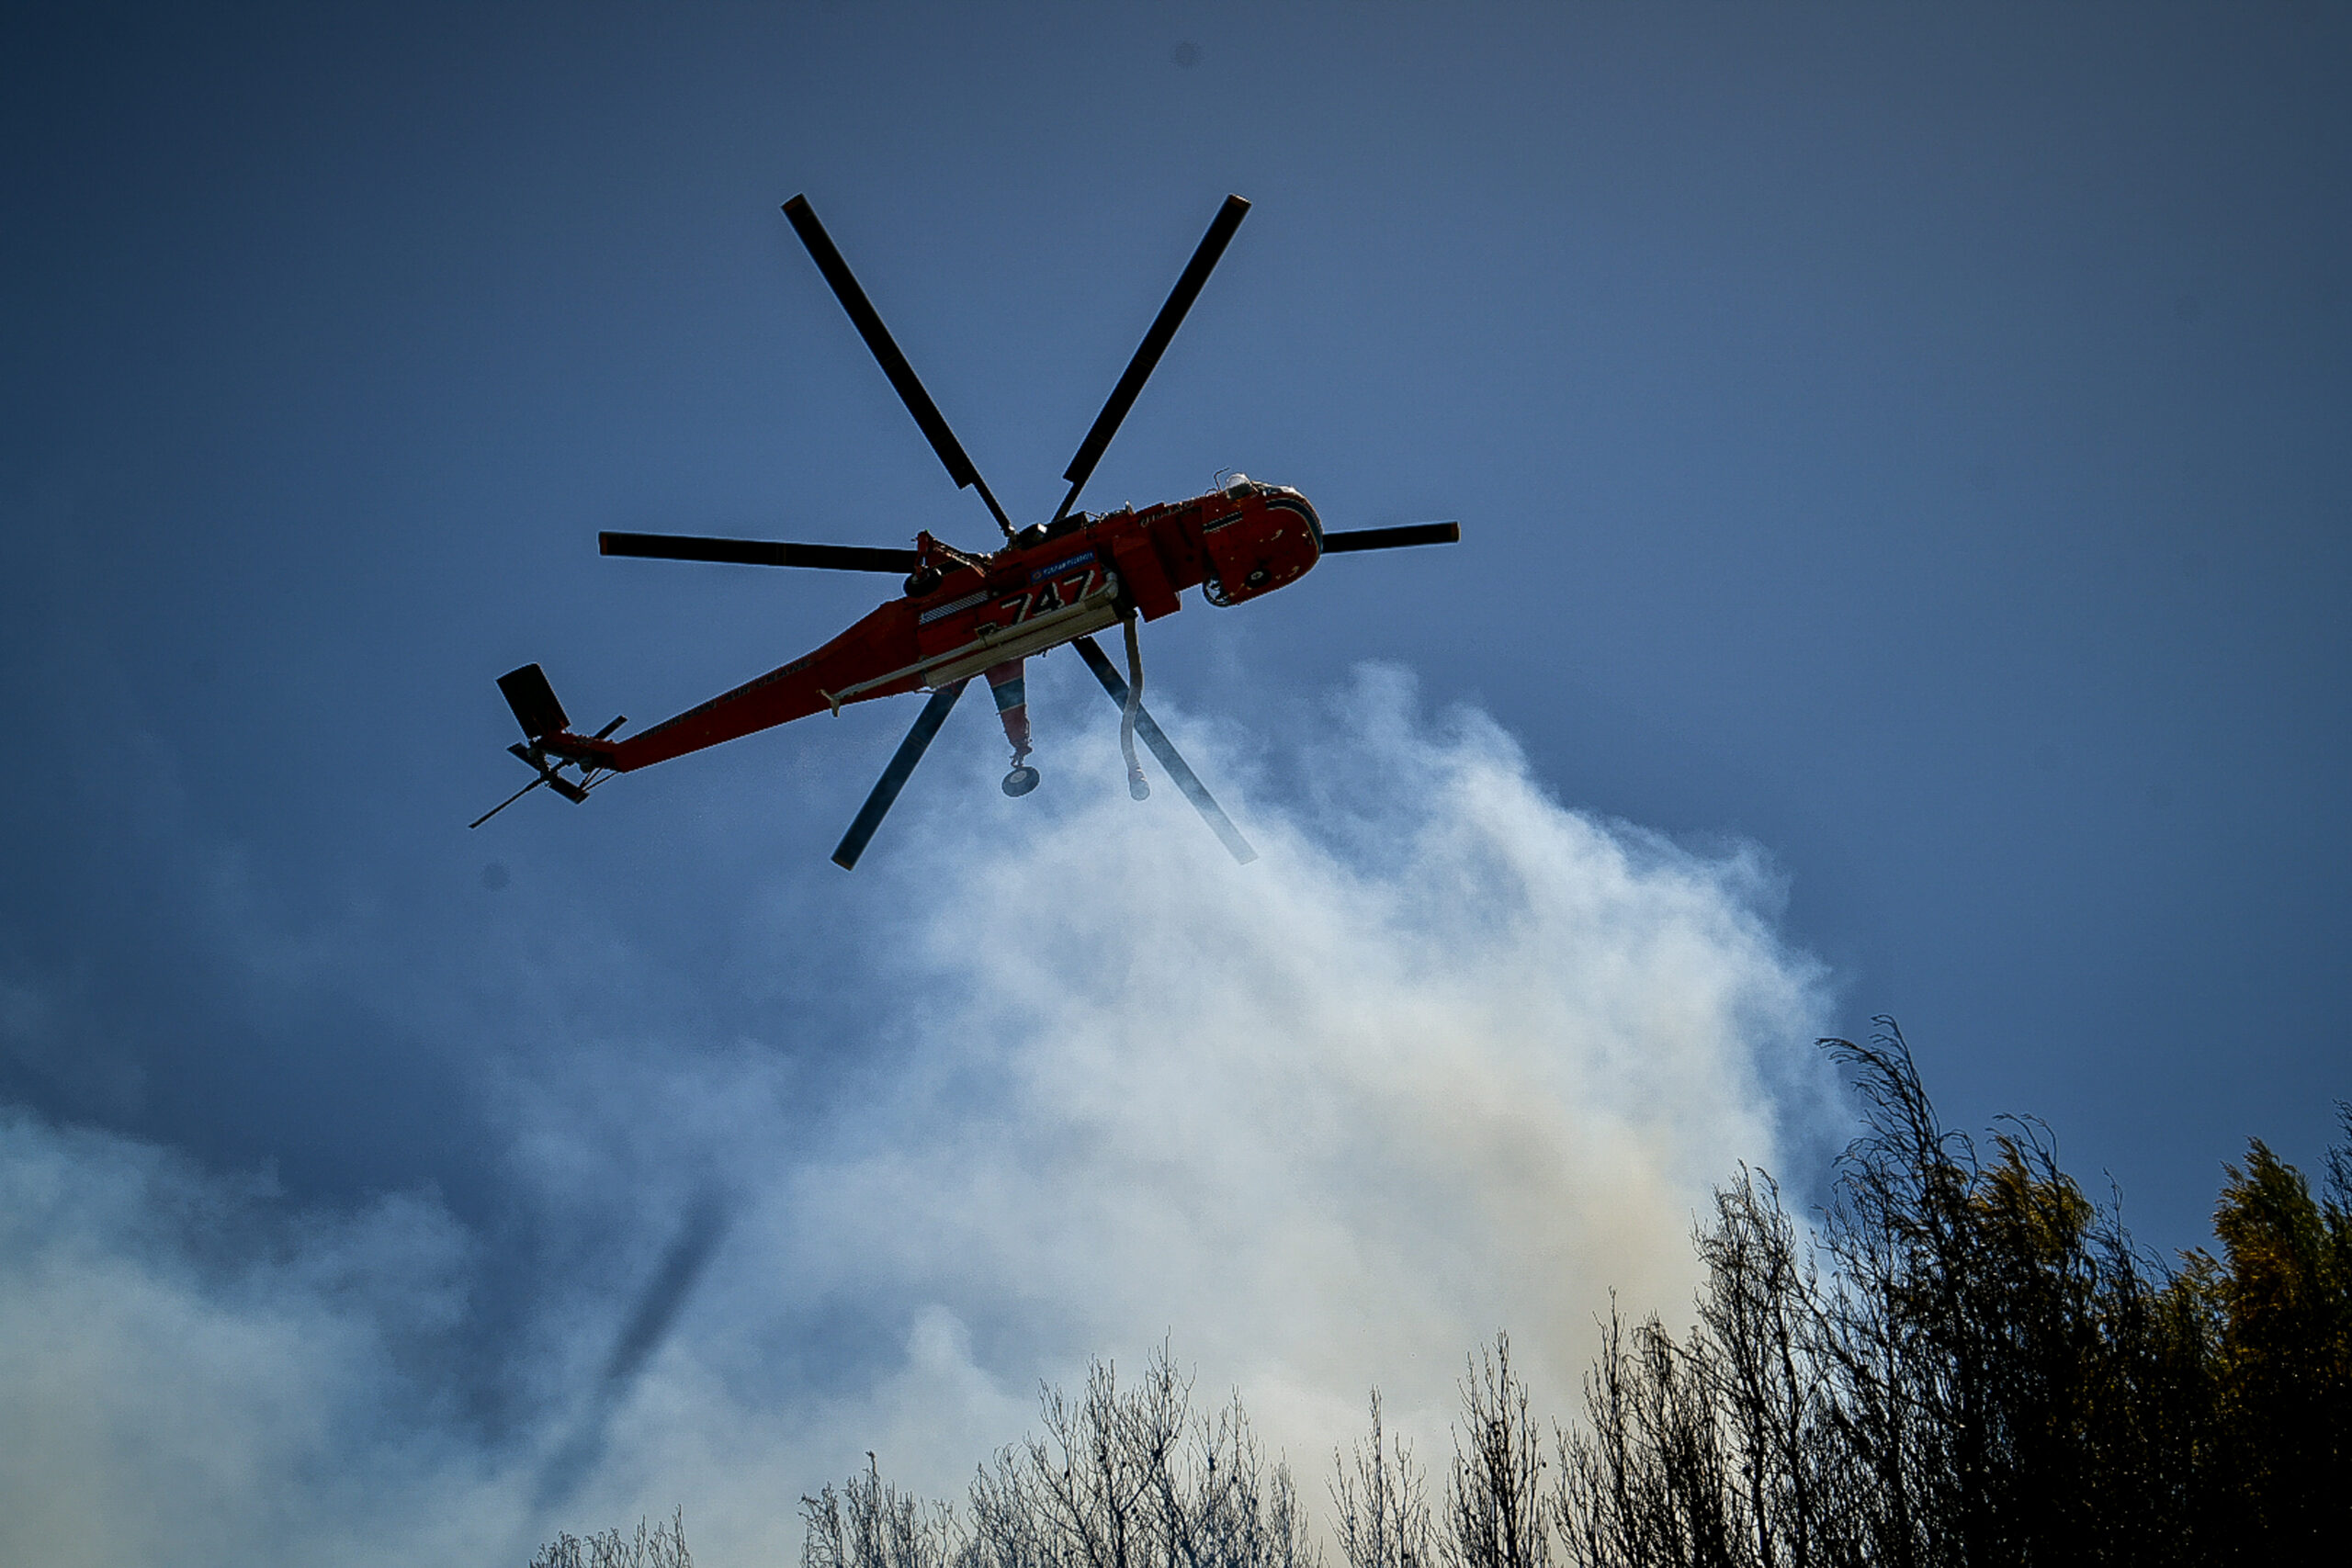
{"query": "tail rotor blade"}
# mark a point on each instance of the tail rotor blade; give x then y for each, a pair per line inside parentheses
(1155, 344)
(1165, 749)
(757, 552)
(507, 802)
(894, 777)
(869, 322)
(1392, 538)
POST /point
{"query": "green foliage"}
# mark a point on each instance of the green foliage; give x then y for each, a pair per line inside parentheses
(1973, 1365)
(2276, 1325)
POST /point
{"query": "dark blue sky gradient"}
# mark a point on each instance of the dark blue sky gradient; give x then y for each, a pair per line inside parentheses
(1912, 438)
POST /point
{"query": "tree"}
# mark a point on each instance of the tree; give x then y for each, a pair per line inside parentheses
(1494, 1494)
(868, 1524)
(1136, 1480)
(654, 1545)
(1119, 1480)
(1648, 1485)
(2282, 1309)
(1383, 1512)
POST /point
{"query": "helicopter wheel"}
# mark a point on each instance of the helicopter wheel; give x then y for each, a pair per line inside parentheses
(1021, 781)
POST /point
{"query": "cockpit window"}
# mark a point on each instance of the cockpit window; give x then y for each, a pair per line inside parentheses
(1289, 500)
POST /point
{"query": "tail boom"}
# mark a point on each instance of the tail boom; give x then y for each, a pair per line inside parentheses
(833, 674)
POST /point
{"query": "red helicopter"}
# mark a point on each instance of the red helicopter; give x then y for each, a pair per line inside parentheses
(961, 614)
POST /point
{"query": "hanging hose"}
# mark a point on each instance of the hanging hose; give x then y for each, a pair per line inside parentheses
(1138, 785)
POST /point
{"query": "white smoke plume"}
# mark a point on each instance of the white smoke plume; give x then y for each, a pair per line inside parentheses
(1449, 1058)
(179, 1389)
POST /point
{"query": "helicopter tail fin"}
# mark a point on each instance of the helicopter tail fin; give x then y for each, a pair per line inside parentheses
(534, 701)
(548, 746)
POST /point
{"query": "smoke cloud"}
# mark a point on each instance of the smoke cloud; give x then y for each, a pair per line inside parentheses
(1449, 1058)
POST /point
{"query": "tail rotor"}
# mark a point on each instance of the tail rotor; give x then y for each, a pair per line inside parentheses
(541, 713)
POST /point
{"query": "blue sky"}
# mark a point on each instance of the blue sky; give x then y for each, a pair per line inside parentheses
(1900, 452)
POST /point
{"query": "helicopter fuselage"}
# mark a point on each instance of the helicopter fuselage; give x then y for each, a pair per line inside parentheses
(964, 615)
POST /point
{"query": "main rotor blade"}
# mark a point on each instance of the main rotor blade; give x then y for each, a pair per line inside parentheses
(894, 777)
(757, 552)
(1391, 538)
(1165, 749)
(1155, 342)
(868, 322)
